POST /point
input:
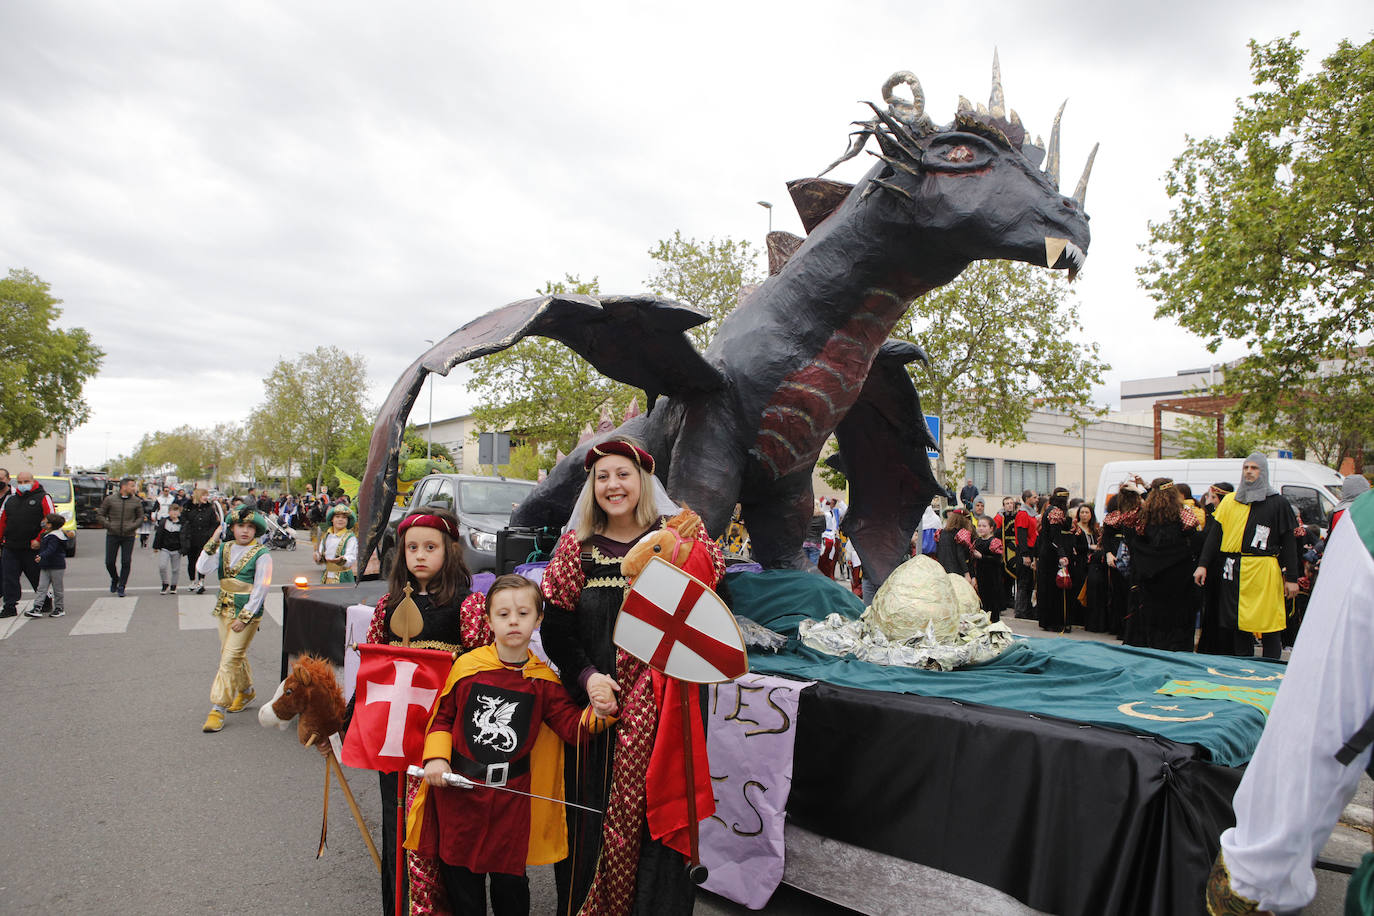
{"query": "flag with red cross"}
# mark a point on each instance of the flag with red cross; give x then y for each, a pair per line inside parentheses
(674, 622)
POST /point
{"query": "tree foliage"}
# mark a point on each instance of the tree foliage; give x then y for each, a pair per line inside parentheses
(1003, 340)
(1197, 438)
(42, 368)
(1271, 243)
(309, 406)
(706, 275)
(543, 391)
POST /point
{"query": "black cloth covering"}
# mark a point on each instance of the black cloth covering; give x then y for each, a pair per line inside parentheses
(1069, 819)
(314, 618)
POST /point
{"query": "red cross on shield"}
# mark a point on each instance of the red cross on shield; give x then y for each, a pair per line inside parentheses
(673, 622)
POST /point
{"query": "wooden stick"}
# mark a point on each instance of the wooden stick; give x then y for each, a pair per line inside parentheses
(332, 762)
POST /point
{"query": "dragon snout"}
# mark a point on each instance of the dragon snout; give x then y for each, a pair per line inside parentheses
(1062, 253)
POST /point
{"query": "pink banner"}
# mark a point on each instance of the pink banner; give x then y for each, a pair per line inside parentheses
(750, 734)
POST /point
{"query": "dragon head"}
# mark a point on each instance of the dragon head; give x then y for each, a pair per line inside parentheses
(980, 184)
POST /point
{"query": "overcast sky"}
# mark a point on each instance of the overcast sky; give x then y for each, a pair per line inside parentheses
(210, 188)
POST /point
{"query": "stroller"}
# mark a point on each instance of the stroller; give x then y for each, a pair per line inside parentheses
(278, 537)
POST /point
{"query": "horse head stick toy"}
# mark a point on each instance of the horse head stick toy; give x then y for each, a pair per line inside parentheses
(311, 693)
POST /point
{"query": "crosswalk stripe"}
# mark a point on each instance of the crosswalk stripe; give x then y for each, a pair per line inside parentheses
(10, 625)
(272, 606)
(106, 615)
(194, 612)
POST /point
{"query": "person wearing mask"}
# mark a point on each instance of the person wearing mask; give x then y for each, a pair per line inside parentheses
(121, 514)
(1004, 523)
(1256, 550)
(21, 527)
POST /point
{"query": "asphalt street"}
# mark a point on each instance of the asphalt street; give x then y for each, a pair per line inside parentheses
(116, 802)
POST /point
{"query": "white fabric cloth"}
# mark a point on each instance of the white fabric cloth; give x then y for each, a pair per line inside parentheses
(208, 565)
(163, 502)
(1294, 789)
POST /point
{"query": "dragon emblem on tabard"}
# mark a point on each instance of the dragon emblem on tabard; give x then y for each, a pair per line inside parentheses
(493, 722)
(806, 354)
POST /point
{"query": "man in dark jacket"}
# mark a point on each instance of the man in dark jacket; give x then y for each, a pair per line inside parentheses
(21, 526)
(121, 513)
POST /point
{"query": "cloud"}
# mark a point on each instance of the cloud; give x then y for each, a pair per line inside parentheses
(226, 187)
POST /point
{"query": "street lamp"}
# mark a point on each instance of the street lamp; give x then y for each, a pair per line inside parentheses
(769, 207)
(429, 437)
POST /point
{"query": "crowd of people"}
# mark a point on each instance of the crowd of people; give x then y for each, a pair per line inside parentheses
(1162, 567)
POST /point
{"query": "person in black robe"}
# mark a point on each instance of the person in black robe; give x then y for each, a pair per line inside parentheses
(1056, 548)
(1125, 500)
(1162, 560)
(954, 544)
(1004, 526)
(1094, 587)
(1211, 640)
(988, 572)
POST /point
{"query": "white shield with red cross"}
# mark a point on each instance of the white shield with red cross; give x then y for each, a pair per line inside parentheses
(677, 625)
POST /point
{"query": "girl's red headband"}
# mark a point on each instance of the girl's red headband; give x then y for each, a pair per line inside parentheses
(437, 522)
(623, 449)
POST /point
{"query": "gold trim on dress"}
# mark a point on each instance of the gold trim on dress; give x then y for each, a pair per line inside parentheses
(608, 582)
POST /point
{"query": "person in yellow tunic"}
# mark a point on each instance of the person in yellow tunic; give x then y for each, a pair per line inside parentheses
(1255, 552)
(338, 548)
(244, 569)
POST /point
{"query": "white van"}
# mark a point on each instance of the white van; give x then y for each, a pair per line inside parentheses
(1313, 489)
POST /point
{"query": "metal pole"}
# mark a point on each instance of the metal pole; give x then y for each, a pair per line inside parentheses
(1084, 439)
(769, 207)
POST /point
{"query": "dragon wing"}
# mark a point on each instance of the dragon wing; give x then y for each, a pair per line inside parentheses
(638, 340)
(883, 442)
(505, 714)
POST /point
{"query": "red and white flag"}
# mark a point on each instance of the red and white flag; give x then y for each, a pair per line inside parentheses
(677, 625)
(397, 690)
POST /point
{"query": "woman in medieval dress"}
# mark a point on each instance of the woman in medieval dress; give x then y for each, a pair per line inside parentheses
(614, 866)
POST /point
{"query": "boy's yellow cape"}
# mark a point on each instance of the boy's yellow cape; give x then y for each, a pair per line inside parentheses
(548, 823)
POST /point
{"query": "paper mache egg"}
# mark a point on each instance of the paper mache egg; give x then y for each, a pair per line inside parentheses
(919, 593)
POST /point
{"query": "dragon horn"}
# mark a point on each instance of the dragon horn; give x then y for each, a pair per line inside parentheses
(907, 111)
(997, 103)
(1081, 193)
(1052, 157)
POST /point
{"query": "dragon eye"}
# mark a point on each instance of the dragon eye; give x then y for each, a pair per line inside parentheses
(960, 154)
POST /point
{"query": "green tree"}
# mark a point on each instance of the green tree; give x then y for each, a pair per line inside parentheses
(1271, 243)
(543, 391)
(42, 368)
(1003, 339)
(707, 275)
(1197, 438)
(309, 406)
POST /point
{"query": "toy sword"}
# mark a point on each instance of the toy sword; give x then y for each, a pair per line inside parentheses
(459, 781)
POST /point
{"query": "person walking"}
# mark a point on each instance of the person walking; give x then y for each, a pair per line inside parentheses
(52, 566)
(167, 544)
(121, 514)
(21, 526)
(199, 521)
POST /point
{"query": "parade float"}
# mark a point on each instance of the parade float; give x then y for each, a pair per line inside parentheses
(881, 752)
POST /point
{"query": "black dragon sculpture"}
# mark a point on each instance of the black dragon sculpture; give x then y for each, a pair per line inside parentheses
(806, 354)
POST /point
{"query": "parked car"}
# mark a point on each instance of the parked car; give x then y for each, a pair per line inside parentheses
(483, 506)
(63, 496)
(90, 492)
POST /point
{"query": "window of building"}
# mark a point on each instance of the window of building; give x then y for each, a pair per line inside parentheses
(1028, 475)
(980, 469)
